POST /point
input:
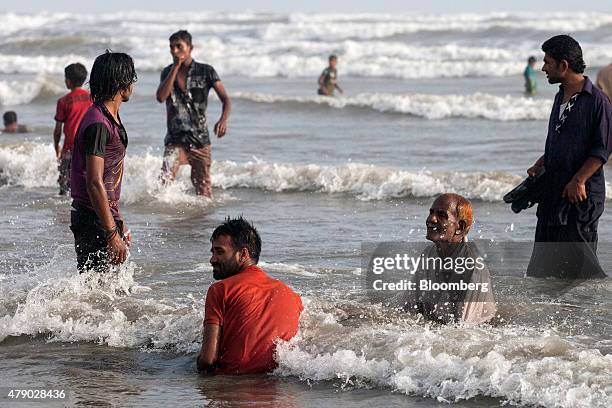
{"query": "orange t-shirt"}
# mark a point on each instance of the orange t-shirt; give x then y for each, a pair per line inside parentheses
(253, 311)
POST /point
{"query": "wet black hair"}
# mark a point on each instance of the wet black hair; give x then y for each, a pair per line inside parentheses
(243, 235)
(111, 72)
(531, 59)
(182, 35)
(76, 73)
(333, 56)
(9, 117)
(564, 47)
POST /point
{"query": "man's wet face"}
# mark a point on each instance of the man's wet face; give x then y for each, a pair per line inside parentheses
(179, 48)
(224, 259)
(125, 96)
(551, 68)
(442, 224)
(333, 63)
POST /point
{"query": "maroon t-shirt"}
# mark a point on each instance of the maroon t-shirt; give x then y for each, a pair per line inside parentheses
(100, 135)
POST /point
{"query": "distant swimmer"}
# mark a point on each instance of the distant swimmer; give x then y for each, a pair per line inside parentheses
(246, 311)
(530, 77)
(462, 293)
(184, 88)
(328, 81)
(69, 111)
(578, 144)
(11, 125)
(101, 237)
(604, 80)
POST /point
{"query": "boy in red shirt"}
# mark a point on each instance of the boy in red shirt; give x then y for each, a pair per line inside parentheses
(247, 310)
(70, 110)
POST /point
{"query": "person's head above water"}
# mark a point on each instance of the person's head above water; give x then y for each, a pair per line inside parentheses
(235, 245)
(531, 61)
(10, 119)
(112, 75)
(181, 45)
(562, 58)
(75, 75)
(450, 218)
(333, 61)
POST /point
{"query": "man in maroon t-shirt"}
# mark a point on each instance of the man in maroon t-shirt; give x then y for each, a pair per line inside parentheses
(101, 237)
(70, 110)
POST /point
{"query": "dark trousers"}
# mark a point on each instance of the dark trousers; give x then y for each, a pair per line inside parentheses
(90, 240)
(565, 251)
(64, 172)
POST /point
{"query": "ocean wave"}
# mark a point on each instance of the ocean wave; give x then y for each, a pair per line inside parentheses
(322, 26)
(516, 364)
(296, 45)
(477, 105)
(33, 165)
(53, 300)
(299, 60)
(29, 165)
(293, 59)
(40, 64)
(335, 27)
(345, 341)
(23, 92)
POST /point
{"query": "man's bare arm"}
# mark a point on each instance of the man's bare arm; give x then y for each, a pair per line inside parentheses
(165, 88)
(575, 190)
(322, 84)
(57, 136)
(99, 200)
(221, 126)
(210, 348)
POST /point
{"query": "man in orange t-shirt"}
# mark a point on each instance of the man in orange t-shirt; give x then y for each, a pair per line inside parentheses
(70, 110)
(246, 311)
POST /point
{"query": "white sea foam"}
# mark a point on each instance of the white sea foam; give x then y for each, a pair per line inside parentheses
(29, 165)
(515, 364)
(33, 165)
(39, 64)
(252, 58)
(346, 341)
(22, 92)
(476, 105)
(296, 45)
(67, 307)
(326, 26)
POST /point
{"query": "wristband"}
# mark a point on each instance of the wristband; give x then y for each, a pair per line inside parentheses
(110, 234)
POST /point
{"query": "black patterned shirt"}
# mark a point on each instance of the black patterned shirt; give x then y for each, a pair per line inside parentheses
(186, 111)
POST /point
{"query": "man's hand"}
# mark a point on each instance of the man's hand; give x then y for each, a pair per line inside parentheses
(534, 170)
(58, 154)
(575, 191)
(221, 127)
(211, 338)
(117, 250)
(178, 60)
(127, 235)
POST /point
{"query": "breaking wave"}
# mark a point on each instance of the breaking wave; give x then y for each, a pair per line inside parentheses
(33, 165)
(478, 105)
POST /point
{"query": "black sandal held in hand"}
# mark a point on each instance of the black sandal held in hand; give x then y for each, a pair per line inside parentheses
(526, 194)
